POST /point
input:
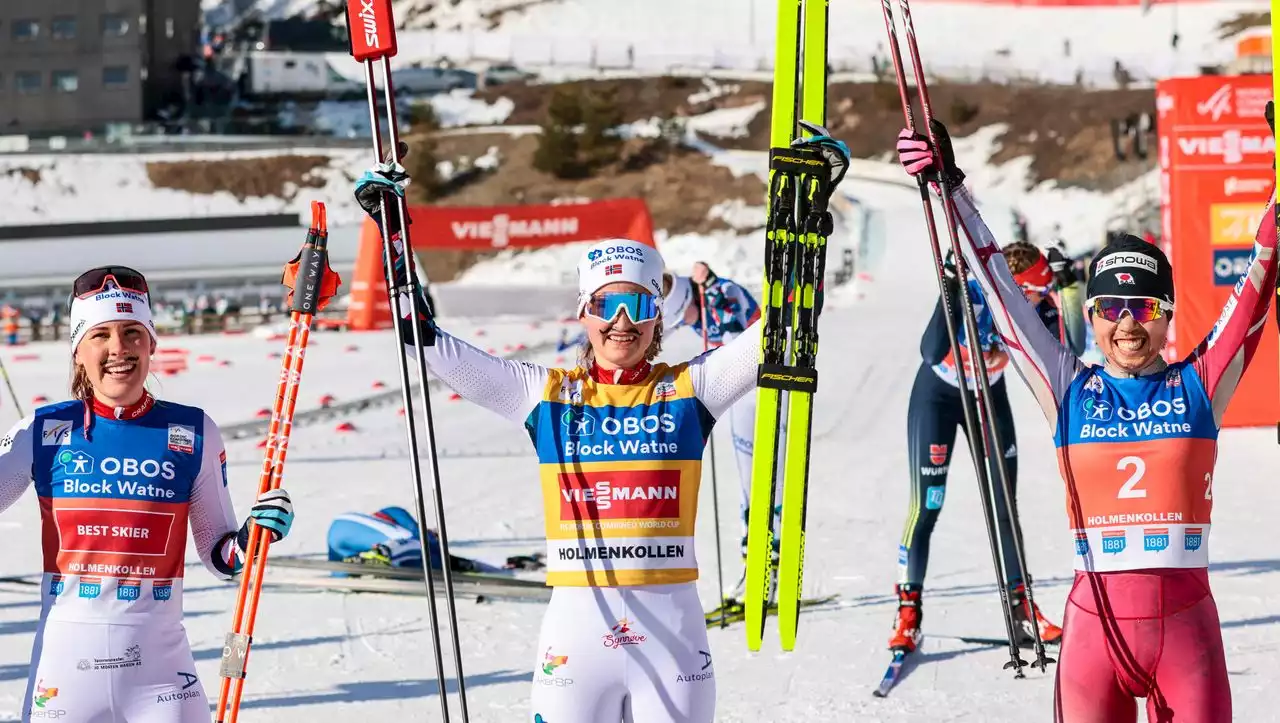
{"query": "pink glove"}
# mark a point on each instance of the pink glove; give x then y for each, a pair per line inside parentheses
(914, 153)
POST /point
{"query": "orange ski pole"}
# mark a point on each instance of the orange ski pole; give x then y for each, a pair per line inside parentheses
(311, 284)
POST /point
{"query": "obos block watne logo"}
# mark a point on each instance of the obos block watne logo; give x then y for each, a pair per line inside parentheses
(1113, 542)
(1096, 409)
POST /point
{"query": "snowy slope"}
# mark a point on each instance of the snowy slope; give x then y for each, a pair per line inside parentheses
(327, 657)
(958, 39)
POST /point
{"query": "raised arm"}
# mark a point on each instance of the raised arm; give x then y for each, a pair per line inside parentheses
(15, 462)
(508, 388)
(1222, 358)
(724, 375)
(1041, 359)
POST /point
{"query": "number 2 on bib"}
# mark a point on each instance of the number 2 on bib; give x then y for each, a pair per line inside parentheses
(1129, 490)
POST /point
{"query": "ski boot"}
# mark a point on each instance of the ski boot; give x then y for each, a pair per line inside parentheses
(377, 556)
(1025, 619)
(906, 628)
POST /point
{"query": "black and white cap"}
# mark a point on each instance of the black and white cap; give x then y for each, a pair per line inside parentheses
(1130, 267)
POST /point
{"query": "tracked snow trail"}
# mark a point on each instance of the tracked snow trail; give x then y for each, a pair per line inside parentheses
(326, 657)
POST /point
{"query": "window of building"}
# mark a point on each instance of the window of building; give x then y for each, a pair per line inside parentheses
(115, 25)
(25, 30)
(63, 27)
(65, 81)
(115, 76)
(27, 81)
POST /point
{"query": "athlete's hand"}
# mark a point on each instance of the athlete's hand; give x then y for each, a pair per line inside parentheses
(702, 275)
(835, 152)
(273, 512)
(920, 159)
(1064, 272)
(378, 184)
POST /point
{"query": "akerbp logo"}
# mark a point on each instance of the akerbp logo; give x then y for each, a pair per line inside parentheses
(76, 462)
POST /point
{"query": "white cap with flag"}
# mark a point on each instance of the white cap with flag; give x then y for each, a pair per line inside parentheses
(110, 304)
(615, 260)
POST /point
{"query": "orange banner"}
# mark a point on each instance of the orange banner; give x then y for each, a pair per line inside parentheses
(1215, 179)
(489, 228)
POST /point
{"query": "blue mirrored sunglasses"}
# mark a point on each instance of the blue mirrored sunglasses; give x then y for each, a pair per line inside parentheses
(638, 307)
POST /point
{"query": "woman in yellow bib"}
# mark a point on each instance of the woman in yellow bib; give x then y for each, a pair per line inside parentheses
(619, 441)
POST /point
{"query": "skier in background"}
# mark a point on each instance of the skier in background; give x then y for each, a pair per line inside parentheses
(623, 573)
(1137, 439)
(933, 415)
(729, 310)
(389, 538)
(119, 475)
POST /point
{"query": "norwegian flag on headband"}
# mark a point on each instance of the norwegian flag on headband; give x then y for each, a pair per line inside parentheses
(612, 269)
(124, 307)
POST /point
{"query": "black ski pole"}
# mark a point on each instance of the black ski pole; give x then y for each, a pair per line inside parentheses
(984, 383)
(14, 395)
(973, 424)
(371, 28)
(715, 486)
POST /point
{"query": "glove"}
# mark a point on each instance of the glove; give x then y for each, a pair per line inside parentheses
(1270, 114)
(834, 152)
(378, 184)
(949, 266)
(920, 159)
(1064, 272)
(273, 512)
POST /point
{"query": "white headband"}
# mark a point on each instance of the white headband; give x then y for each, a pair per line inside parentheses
(112, 304)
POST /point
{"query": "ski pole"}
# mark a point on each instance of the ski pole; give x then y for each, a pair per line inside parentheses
(715, 485)
(9, 383)
(974, 433)
(311, 284)
(984, 383)
(371, 28)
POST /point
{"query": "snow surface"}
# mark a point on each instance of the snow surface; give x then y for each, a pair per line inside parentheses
(958, 40)
(332, 657)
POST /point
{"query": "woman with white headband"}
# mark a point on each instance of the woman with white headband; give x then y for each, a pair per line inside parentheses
(119, 476)
(619, 441)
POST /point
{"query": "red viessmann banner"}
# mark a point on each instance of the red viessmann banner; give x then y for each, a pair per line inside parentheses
(486, 228)
(1215, 180)
(489, 228)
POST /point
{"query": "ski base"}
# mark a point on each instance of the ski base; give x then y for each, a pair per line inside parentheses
(735, 611)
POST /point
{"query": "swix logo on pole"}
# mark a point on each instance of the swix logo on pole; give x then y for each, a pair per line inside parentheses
(372, 29)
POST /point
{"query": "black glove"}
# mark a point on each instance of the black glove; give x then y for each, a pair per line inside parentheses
(1064, 271)
(949, 266)
(1270, 114)
(380, 183)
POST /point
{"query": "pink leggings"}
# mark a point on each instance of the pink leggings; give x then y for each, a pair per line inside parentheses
(1145, 633)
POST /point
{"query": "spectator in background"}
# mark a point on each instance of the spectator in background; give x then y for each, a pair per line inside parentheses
(9, 324)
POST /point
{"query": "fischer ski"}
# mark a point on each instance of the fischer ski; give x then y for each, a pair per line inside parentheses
(734, 611)
(795, 254)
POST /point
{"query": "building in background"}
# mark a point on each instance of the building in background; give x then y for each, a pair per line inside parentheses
(69, 66)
